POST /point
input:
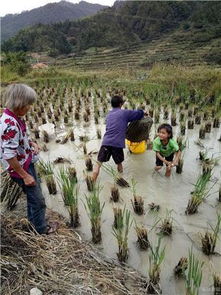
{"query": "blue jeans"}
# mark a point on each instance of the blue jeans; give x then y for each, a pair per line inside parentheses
(35, 201)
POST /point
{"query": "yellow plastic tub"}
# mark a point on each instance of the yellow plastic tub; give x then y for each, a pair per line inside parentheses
(137, 147)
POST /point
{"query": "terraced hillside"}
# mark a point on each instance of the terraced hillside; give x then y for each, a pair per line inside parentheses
(173, 48)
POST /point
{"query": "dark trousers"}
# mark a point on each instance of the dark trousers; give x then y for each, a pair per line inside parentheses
(35, 201)
(160, 163)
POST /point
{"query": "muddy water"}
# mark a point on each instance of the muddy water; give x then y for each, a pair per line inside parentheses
(172, 194)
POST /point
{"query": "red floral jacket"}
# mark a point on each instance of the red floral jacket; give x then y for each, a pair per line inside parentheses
(14, 141)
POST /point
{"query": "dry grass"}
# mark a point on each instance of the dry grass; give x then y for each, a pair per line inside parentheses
(59, 264)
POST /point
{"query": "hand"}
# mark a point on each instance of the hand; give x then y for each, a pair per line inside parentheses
(168, 163)
(175, 163)
(36, 148)
(29, 180)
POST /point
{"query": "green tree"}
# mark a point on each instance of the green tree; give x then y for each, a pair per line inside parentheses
(17, 62)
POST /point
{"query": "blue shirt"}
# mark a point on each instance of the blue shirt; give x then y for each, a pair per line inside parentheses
(116, 126)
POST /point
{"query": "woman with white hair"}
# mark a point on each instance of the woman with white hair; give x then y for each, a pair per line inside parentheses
(18, 153)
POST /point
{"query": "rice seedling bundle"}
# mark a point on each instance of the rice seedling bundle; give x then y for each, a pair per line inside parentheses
(46, 169)
(154, 207)
(173, 120)
(190, 124)
(88, 163)
(208, 127)
(90, 183)
(44, 148)
(69, 192)
(94, 210)
(10, 191)
(45, 136)
(166, 226)
(219, 199)
(209, 239)
(202, 132)
(121, 232)
(181, 267)
(72, 173)
(139, 130)
(194, 275)
(115, 194)
(142, 237)
(117, 179)
(138, 205)
(36, 133)
(98, 134)
(156, 258)
(216, 123)
(198, 120)
(199, 193)
(217, 284)
(166, 114)
(118, 217)
(182, 116)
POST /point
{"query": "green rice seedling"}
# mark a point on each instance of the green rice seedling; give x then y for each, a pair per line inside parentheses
(10, 191)
(94, 210)
(85, 148)
(115, 194)
(179, 167)
(154, 207)
(209, 239)
(121, 234)
(199, 193)
(190, 113)
(77, 115)
(88, 163)
(44, 121)
(90, 183)
(72, 173)
(65, 139)
(190, 124)
(69, 191)
(36, 133)
(205, 116)
(183, 128)
(173, 119)
(117, 178)
(118, 217)
(181, 267)
(198, 120)
(98, 134)
(156, 258)
(71, 135)
(44, 148)
(157, 117)
(194, 275)
(142, 237)
(217, 284)
(86, 117)
(46, 169)
(216, 123)
(182, 143)
(208, 127)
(166, 226)
(45, 136)
(202, 132)
(182, 117)
(166, 114)
(137, 202)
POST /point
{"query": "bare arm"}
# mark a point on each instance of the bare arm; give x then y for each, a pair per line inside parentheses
(15, 165)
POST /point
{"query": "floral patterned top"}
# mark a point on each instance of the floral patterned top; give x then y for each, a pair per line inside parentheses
(14, 142)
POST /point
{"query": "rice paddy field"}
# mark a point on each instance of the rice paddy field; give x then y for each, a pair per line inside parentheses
(166, 228)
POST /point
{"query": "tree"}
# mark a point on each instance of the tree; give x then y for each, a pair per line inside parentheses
(17, 62)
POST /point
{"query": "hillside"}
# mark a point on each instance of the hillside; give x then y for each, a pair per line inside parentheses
(48, 14)
(131, 33)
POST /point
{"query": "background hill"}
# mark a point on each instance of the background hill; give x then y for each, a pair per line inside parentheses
(48, 14)
(132, 33)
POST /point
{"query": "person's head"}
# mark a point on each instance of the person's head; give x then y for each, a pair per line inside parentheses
(19, 98)
(165, 131)
(117, 101)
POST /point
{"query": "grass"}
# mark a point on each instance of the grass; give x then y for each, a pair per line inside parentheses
(194, 274)
(94, 210)
(156, 258)
(121, 234)
(69, 192)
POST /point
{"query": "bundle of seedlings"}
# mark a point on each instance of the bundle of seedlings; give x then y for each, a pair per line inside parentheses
(156, 257)
(61, 160)
(166, 226)
(181, 267)
(94, 210)
(183, 128)
(64, 138)
(157, 117)
(142, 237)
(121, 232)
(88, 163)
(46, 169)
(202, 132)
(216, 123)
(208, 127)
(72, 173)
(173, 119)
(209, 239)
(10, 191)
(154, 207)
(137, 202)
(69, 191)
(190, 124)
(193, 277)
(118, 217)
(84, 148)
(90, 182)
(71, 135)
(36, 133)
(45, 136)
(182, 117)
(166, 114)
(117, 178)
(219, 199)
(198, 120)
(217, 284)
(115, 194)
(44, 148)
(182, 145)
(199, 194)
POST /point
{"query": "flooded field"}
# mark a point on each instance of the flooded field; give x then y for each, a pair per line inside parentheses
(170, 194)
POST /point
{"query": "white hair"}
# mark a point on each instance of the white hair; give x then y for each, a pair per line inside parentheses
(18, 96)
